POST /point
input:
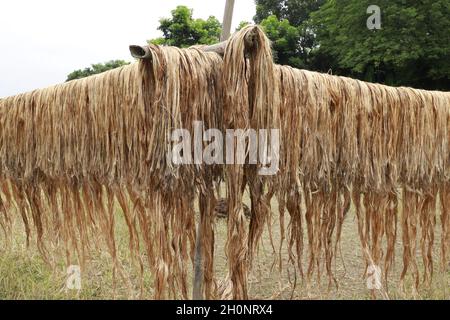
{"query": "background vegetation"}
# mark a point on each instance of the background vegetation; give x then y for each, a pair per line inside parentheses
(96, 69)
(411, 49)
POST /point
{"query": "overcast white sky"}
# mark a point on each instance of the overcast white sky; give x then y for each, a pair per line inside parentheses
(41, 42)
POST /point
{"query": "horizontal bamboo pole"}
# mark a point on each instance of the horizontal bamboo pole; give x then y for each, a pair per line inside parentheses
(143, 52)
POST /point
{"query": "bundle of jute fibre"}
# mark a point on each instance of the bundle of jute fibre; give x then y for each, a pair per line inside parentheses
(71, 153)
(343, 141)
(249, 95)
(385, 149)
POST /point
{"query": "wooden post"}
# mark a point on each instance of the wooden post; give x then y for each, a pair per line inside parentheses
(227, 19)
(197, 286)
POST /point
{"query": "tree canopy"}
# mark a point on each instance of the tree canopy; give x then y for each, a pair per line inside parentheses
(285, 41)
(411, 48)
(295, 11)
(96, 69)
(182, 30)
(286, 25)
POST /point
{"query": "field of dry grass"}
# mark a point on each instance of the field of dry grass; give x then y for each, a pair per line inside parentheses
(24, 275)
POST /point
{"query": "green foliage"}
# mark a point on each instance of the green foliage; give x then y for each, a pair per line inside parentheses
(181, 30)
(412, 47)
(295, 11)
(285, 39)
(286, 23)
(96, 69)
(242, 24)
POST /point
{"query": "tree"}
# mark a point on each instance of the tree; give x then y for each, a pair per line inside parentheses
(181, 30)
(242, 24)
(412, 47)
(285, 41)
(279, 19)
(295, 11)
(96, 69)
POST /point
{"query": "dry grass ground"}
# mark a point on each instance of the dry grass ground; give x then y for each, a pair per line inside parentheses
(24, 275)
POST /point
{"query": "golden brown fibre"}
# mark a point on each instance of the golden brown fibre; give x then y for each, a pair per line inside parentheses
(69, 152)
(371, 141)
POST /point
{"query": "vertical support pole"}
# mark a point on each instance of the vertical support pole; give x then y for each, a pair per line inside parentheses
(197, 290)
(227, 20)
